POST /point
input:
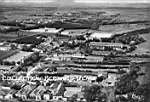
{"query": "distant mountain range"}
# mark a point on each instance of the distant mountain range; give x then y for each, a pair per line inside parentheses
(79, 5)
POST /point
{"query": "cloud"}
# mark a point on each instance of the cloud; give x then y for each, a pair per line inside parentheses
(111, 1)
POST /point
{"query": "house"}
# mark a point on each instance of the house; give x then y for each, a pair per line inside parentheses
(57, 90)
(5, 85)
(11, 94)
(5, 48)
(6, 54)
(110, 80)
(74, 32)
(101, 35)
(38, 93)
(3, 93)
(101, 53)
(108, 46)
(95, 58)
(25, 91)
(67, 57)
(80, 97)
(46, 30)
(47, 95)
(70, 91)
(19, 57)
(5, 68)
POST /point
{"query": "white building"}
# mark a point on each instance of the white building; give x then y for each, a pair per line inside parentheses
(70, 91)
(110, 81)
(5, 48)
(19, 57)
(101, 35)
(74, 32)
(45, 30)
(38, 93)
(103, 45)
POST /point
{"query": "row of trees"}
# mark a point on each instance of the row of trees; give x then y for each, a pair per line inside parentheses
(140, 94)
(128, 85)
(94, 94)
(132, 39)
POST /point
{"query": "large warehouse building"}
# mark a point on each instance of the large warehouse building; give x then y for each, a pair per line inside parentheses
(101, 35)
(19, 57)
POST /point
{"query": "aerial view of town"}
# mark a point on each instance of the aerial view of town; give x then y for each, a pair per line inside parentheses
(74, 51)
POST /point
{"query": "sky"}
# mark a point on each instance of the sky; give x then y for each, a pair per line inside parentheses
(111, 1)
(27, 1)
(75, 1)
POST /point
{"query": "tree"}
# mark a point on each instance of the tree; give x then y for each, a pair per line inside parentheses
(13, 47)
(94, 93)
(100, 79)
(34, 58)
(16, 87)
(143, 91)
(73, 98)
(95, 26)
(127, 83)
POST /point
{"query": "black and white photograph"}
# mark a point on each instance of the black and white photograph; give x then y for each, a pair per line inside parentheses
(74, 50)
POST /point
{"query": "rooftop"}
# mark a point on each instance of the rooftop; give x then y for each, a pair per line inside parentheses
(70, 91)
(4, 67)
(26, 90)
(54, 85)
(105, 44)
(100, 35)
(74, 32)
(102, 53)
(4, 92)
(18, 56)
(46, 30)
(6, 54)
(95, 58)
(39, 90)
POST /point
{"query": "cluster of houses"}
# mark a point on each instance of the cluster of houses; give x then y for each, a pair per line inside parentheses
(54, 91)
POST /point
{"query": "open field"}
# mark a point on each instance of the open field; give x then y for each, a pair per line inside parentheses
(25, 12)
(126, 13)
(8, 36)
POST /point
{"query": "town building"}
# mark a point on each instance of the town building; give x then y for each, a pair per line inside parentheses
(25, 91)
(37, 94)
(11, 94)
(70, 91)
(77, 91)
(101, 35)
(3, 93)
(47, 95)
(90, 60)
(110, 80)
(5, 48)
(19, 57)
(74, 32)
(101, 53)
(6, 68)
(46, 30)
(6, 54)
(108, 46)
(67, 57)
(57, 90)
